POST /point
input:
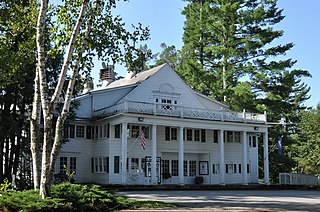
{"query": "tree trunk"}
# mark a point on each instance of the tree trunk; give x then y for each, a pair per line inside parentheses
(41, 76)
(1, 157)
(67, 102)
(224, 80)
(34, 134)
(49, 107)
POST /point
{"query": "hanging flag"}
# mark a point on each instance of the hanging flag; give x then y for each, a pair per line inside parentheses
(280, 146)
(143, 140)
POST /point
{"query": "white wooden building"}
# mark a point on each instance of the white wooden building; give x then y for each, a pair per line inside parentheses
(189, 137)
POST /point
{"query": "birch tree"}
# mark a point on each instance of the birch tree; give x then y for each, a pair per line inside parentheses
(82, 29)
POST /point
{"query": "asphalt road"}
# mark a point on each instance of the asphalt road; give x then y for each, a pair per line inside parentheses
(232, 200)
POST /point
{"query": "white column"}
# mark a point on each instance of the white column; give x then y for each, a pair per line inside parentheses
(181, 156)
(124, 140)
(244, 158)
(222, 165)
(154, 155)
(266, 158)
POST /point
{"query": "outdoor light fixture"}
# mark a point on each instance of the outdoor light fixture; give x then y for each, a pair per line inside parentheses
(256, 128)
(141, 119)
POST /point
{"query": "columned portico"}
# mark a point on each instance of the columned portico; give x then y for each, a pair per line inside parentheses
(266, 158)
(244, 158)
(124, 142)
(154, 156)
(222, 164)
(181, 156)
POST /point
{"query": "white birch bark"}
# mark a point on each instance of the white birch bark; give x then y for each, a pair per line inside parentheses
(34, 132)
(67, 102)
(49, 107)
(40, 71)
(66, 63)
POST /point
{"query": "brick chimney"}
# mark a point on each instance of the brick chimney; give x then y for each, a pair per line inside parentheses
(106, 74)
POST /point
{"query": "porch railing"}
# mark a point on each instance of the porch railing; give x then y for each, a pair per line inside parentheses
(172, 110)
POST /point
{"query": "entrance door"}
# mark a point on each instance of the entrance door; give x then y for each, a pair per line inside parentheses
(158, 167)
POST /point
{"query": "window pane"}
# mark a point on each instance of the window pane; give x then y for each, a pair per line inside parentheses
(165, 166)
(72, 131)
(167, 133)
(174, 133)
(96, 163)
(174, 167)
(237, 137)
(63, 164)
(143, 165)
(88, 132)
(189, 134)
(196, 135)
(134, 164)
(203, 135)
(192, 168)
(135, 132)
(146, 132)
(185, 168)
(100, 131)
(73, 164)
(215, 168)
(229, 136)
(79, 131)
(116, 164)
(215, 136)
(117, 131)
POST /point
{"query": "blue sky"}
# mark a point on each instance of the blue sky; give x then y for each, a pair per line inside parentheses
(301, 26)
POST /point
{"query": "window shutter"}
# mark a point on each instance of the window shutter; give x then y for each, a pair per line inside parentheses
(92, 165)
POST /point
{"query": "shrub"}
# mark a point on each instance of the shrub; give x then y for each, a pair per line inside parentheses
(70, 197)
(29, 200)
(89, 197)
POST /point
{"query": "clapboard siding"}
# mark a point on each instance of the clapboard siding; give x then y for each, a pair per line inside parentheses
(145, 91)
(82, 150)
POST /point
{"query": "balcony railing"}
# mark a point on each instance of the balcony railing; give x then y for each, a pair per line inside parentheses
(171, 110)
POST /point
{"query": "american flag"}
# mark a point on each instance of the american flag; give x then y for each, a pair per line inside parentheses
(143, 140)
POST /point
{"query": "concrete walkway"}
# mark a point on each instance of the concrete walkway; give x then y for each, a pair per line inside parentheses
(229, 200)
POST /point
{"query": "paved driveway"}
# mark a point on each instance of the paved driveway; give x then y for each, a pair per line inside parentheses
(237, 200)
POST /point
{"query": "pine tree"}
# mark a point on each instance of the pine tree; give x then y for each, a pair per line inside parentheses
(230, 54)
(224, 42)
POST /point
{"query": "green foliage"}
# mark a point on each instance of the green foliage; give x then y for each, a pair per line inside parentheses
(69, 174)
(30, 200)
(5, 185)
(308, 156)
(229, 54)
(168, 55)
(71, 197)
(94, 198)
(229, 42)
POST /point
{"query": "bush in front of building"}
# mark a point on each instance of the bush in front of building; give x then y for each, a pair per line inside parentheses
(30, 200)
(70, 197)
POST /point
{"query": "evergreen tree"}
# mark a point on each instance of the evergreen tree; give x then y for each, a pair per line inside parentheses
(17, 61)
(308, 147)
(225, 40)
(229, 53)
(168, 55)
